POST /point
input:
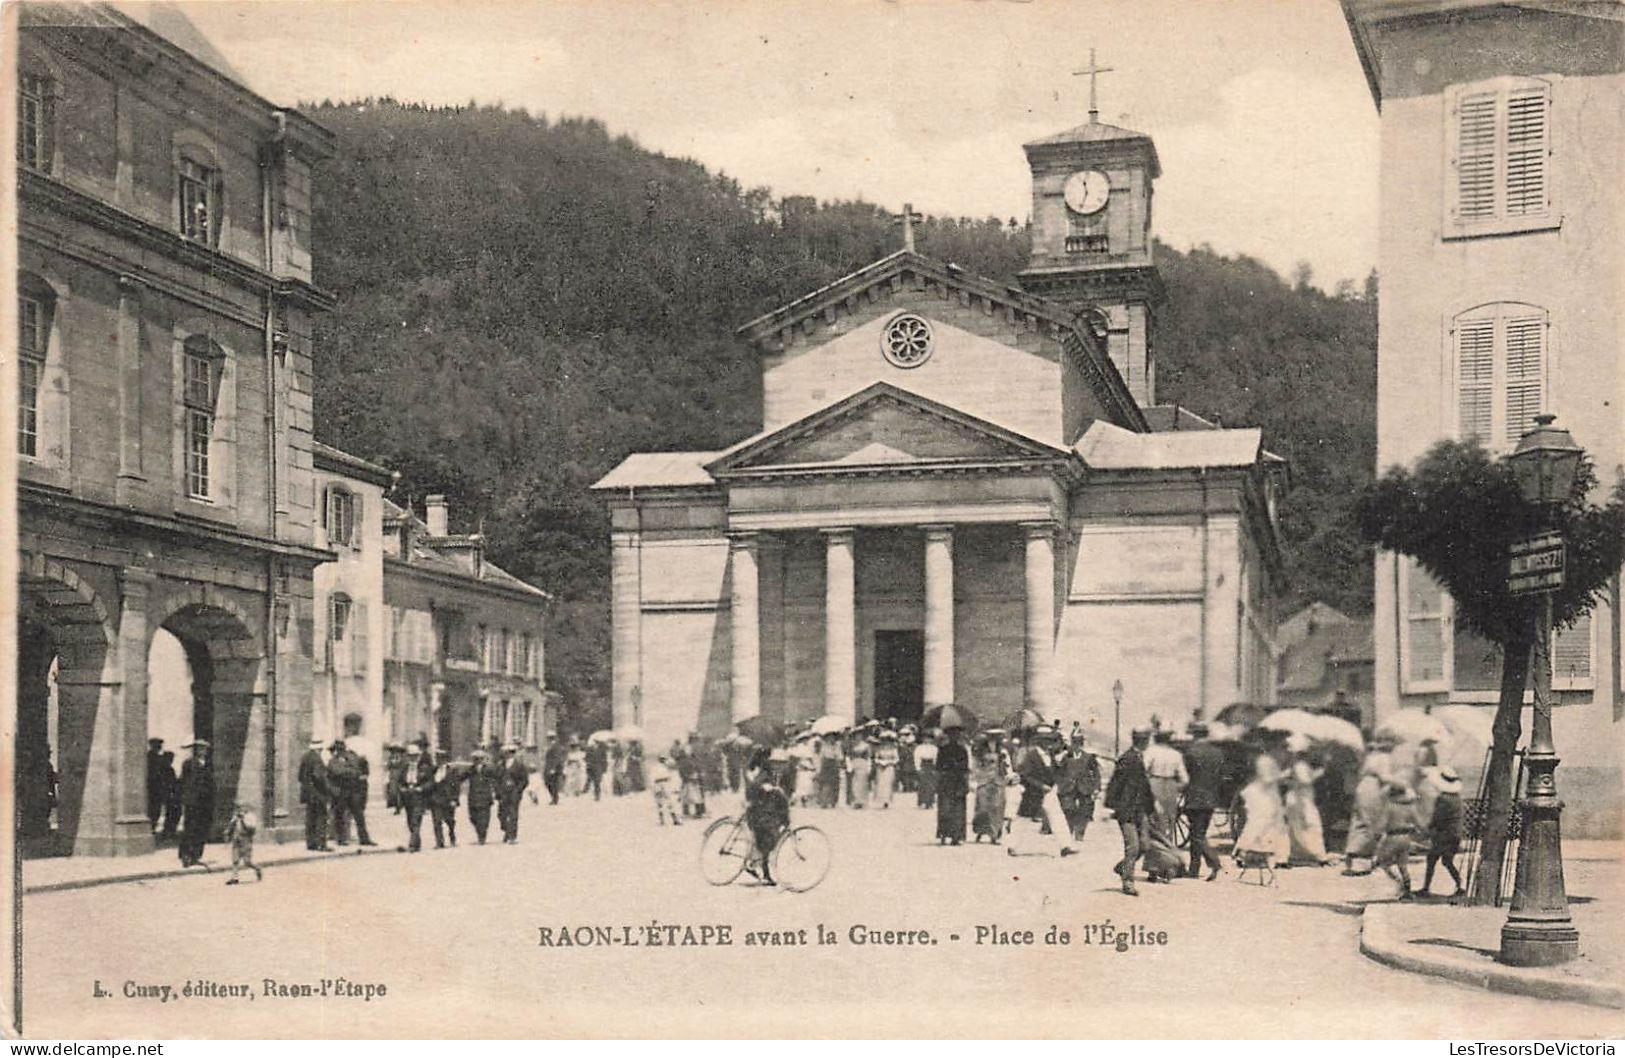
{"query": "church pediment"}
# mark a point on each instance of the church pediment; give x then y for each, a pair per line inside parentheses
(884, 427)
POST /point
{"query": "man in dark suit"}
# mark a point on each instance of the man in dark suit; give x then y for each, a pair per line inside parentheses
(482, 790)
(412, 782)
(514, 778)
(340, 777)
(597, 764)
(443, 797)
(1129, 797)
(315, 793)
(1205, 763)
(553, 769)
(197, 803)
(157, 789)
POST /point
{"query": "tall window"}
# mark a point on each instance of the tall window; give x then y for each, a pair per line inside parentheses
(200, 393)
(340, 516)
(339, 626)
(1500, 156)
(32, 331)
(34, 123)
(199, 199)
(1501, 353)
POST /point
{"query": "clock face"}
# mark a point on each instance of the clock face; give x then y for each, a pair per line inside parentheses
(1086, 192)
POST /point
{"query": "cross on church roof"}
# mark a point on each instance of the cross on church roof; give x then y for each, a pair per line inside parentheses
(908, 219)
(1093, 71)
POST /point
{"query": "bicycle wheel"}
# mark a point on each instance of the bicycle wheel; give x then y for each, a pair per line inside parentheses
(724, 850)
(1182, 826)
(801, 859)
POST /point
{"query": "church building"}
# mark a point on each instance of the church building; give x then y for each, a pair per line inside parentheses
(963, 491)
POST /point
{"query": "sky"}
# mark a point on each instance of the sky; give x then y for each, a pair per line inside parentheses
(1261, 116)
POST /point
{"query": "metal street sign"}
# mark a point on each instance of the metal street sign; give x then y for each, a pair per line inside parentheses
(1535, 564)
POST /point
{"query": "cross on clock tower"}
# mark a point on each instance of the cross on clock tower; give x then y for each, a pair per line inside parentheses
(1091, 235)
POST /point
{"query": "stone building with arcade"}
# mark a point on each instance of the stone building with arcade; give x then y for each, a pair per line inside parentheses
(165, 301)
(963, 490)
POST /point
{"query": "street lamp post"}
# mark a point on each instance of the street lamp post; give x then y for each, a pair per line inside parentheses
(1117, 718)
(1538, 930)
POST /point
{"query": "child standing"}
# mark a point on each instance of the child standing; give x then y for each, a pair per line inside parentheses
(240, 832)
(1444, 831)
(662, 779)
(1399, 826)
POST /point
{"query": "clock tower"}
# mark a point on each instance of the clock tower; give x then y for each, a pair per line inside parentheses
(1091, 238)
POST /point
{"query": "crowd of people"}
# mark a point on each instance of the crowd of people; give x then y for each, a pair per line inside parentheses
(1035, 791)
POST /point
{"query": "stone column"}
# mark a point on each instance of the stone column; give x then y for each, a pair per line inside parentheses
(744, 623)
(840, 625)
(128, 764)
(939, 615)
(1040, 622)
(626, 616)
(130, 460)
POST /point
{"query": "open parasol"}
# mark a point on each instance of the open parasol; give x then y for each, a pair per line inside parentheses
(1413, 725)
(1022, 719)
(828, 724)
(600, 736)
(1242, 715)
(949, 716)
(761, 730)
(1316, 727)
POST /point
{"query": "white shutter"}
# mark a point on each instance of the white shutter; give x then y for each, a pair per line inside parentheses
(1475, 379)
(356, 515)
(1526, 148)
(1475, 156)
(1571, 656)
(1525, 358)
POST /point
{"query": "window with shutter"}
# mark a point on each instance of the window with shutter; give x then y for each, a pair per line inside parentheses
(1526, 152)
(1475, 157)
(1423, 634)
(1500, 158)
(1475, 359)
(1501, 352)
(358, 637)
(1571, 656)
(1525, 356)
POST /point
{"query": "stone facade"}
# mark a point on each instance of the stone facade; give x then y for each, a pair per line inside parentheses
(955, 497)
(1502, 146)
(348, 632)
(165, 457)
(462, 641)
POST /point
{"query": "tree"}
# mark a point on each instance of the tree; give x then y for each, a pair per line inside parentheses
(1456, 513)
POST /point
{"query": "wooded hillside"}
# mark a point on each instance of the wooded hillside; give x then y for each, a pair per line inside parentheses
(522, 302)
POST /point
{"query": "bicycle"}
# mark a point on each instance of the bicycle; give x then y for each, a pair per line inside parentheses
(798, 861)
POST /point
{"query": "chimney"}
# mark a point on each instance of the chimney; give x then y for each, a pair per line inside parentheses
(435, 514)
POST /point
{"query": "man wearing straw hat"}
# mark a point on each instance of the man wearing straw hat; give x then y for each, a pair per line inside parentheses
(197, 803)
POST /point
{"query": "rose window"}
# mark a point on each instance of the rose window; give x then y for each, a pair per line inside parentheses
(907, 341)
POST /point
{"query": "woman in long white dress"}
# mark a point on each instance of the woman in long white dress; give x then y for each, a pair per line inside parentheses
(1265, 829)
(1302, 814)
(886, 757)
(857, 767)
(575, 770)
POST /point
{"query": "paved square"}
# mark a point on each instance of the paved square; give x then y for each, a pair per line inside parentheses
(454, 938)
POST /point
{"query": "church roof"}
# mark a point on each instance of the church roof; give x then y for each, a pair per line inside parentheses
(1059, 320)
(1162, 418)
(793, 312)
(741, 453)
(650, 470)
(1088, 132)
(1096, 132)
(1107, 447)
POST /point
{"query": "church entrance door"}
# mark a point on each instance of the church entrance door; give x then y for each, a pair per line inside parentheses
(899, 674)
